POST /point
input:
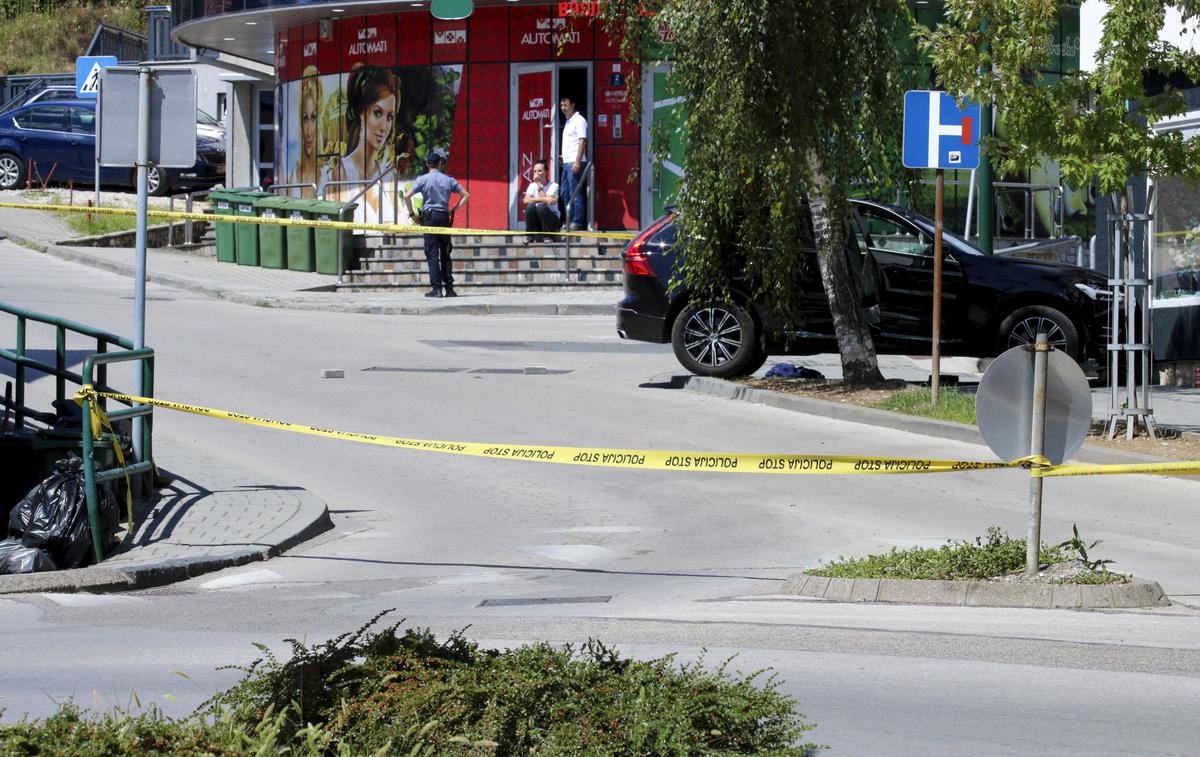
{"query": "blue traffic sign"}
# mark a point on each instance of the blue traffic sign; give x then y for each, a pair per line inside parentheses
(87, 73)
(937, 134)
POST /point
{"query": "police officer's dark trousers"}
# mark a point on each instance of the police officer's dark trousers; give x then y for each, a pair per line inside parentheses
(437, 250)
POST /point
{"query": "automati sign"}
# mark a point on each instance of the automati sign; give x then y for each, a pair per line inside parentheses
(550, 31)
(368, 42)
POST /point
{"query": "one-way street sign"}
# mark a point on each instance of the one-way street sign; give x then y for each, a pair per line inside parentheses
(937, 134)
(87, 73)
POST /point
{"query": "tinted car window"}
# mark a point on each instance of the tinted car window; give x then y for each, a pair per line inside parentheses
(83, 121)
(44, 117)
(892, 235)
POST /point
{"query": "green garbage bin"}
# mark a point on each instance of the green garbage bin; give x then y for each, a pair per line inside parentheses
(246, 234)
(222, 205)
(272, 249)
(300, 256)
(333, 247)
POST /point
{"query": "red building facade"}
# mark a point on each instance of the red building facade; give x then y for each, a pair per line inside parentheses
(483, 90)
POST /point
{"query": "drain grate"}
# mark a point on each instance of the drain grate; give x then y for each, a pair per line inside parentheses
(520, 371)
(414, 370)
(544, 601)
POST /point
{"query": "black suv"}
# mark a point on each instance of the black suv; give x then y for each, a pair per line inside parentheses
(989, 303)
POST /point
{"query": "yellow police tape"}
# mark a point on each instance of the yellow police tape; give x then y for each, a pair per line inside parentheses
(722, 462)
(389, 228)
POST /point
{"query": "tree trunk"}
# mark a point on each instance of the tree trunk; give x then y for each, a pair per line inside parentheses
(859, 365)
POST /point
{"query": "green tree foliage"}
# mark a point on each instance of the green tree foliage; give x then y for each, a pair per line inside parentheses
(791, 106)
(1085, 121)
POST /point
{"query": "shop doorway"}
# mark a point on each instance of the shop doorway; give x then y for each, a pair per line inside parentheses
(663, 106)
(537, 124)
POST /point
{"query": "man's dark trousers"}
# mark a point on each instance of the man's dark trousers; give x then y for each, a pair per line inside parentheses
(437, 250)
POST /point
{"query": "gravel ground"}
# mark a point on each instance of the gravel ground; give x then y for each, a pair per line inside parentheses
(81, 195)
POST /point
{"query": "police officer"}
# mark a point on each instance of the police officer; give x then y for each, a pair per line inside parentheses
(435, 188)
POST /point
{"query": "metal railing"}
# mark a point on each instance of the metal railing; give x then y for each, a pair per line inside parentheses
(188, 198)
(298, 185)
(93, 477)
(366, 185)
(583, 180)
(1028, 190)
(94, 373)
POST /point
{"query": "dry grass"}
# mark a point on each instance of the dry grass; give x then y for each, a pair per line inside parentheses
(49, 43)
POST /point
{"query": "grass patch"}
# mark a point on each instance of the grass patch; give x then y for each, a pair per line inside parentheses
(992, 556)
(390, 692)
(952, 405)
(37, 43)
(98, 224)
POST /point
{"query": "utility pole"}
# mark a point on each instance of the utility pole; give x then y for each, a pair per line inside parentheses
(987, 194)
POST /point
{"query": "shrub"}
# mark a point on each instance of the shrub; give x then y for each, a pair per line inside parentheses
(384, 692)
(998, 555)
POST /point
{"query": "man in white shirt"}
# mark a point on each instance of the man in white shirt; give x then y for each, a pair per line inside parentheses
(574, 158)
(541, 204)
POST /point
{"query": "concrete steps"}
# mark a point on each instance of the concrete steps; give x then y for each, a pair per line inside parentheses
(494, 263)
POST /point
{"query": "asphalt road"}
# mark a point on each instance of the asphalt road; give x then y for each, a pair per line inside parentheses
(653, 562)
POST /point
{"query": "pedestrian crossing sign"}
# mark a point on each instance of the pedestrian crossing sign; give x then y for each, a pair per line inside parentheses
(87, 73)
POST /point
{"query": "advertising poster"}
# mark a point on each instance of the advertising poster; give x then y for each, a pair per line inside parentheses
(353, 127)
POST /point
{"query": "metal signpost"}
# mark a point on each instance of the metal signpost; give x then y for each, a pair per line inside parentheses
(1034, 400)
(87, 86)
(938, 134)
(159, 108)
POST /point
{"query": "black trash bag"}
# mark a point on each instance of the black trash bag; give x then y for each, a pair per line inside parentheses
(53, 516)
(16, 558)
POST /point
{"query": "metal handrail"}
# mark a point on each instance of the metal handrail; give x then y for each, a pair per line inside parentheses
(1056, 191)
(298, 185)
(366, 186)
(567, 215)
(91, 476)
(189, 198)
(95, 373)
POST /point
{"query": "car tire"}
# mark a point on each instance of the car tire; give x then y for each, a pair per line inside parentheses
(12, 171)
(1021, 327)
(156, 182)
(717, 339)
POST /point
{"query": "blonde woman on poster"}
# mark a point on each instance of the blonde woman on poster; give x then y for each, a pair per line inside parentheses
(306, 169)
(372, 97)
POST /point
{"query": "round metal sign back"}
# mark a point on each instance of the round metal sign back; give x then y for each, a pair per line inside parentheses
(1004, 405)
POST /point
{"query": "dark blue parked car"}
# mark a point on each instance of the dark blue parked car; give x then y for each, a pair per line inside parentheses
(56, 140)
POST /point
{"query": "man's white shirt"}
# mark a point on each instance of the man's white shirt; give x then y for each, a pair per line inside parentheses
(574, 133)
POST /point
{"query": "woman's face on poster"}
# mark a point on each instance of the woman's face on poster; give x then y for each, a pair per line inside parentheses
(308, 125)
(378, 122)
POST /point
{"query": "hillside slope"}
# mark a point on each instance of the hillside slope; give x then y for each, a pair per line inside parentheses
(37, 43)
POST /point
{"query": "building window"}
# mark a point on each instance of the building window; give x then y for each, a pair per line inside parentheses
(265, 127)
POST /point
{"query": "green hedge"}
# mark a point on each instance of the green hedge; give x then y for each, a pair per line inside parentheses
(389, 692)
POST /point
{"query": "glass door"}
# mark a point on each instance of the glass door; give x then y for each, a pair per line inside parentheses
(532, 114)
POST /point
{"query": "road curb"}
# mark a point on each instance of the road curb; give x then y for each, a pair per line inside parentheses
(886, 419)
(1137, 593)
(311, 520)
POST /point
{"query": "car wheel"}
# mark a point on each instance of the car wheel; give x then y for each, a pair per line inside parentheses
(717, 339)
(12, 172)
(1022, 327)
(156, 182)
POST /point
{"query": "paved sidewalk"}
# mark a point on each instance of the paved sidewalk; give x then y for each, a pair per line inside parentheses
(295, 290)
